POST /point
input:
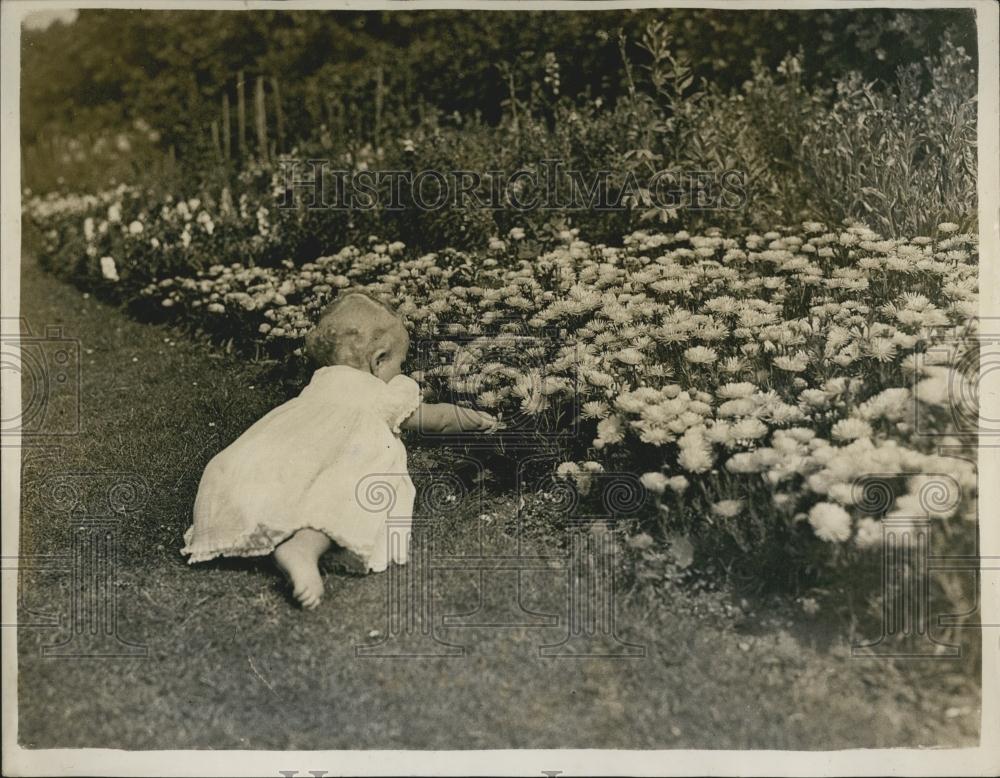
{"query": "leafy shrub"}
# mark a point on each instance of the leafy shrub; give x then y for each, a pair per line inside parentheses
(902, 159)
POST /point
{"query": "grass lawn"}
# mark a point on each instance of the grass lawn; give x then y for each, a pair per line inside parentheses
(231, 663)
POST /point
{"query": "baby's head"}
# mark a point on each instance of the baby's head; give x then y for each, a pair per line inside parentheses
(359, 332)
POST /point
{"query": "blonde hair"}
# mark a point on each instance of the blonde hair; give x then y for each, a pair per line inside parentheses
(352, 329)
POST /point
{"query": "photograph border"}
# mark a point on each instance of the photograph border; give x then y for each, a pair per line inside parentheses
(983, 760)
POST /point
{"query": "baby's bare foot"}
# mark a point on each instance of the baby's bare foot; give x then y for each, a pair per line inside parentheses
(297, 559)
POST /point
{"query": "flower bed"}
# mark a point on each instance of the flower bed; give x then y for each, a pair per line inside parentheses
(789, 389)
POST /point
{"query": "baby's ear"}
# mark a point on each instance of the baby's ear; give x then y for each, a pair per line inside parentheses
(379, 355)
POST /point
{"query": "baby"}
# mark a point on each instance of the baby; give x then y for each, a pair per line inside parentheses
(290, 484)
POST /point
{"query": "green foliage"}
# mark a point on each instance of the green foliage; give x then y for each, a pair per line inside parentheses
(366, 76)
(905, 158)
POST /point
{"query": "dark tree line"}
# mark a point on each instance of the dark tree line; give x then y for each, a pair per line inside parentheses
(171, 68)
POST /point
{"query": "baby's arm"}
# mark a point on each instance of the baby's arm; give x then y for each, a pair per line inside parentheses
(445, 417)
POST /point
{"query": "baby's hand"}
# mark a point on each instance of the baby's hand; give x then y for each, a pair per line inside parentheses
(448, 418)
(471, 420)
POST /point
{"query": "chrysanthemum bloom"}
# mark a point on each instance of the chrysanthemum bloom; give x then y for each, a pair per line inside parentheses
(108, 268)
(629, 356)
(733, 391)
(937, 496)
(869, 533)
(793, 364)
(830, 522)
(599, 378)
(727, 509)
(700, 355)
(740, 407)
(733, 365)
(937, 389)
(843, 493)
(851, 429)
(743, 462)
(695, 454)
(678, 484)
(892, 404)
(749, 429)
(566, 469)
(655, 482)
(783, 500)
(610, 430)
(594, 409)
(488, 399)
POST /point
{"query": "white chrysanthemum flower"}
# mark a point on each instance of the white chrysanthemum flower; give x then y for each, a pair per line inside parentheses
(733, 391)
(869, 533)
(732, 365)
(695, 455)
(610, 430)
(937, 496)
(629, 356)
(937, 389)
(700, 355)
(793, 364)
(842, 492)
(720, 432)
(851, 429)
(891, 404)
(743, 462)
(654, 435)
(595, 409)
(567, 469)
(488, 399)
(740, 407)
(678, 484)
(748, 429)
(830, 522)
(599, 379)
(655, 482)
(783, 500)
(727, 509)
(108, 268)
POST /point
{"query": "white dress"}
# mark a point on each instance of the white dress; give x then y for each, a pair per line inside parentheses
(330, 459)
